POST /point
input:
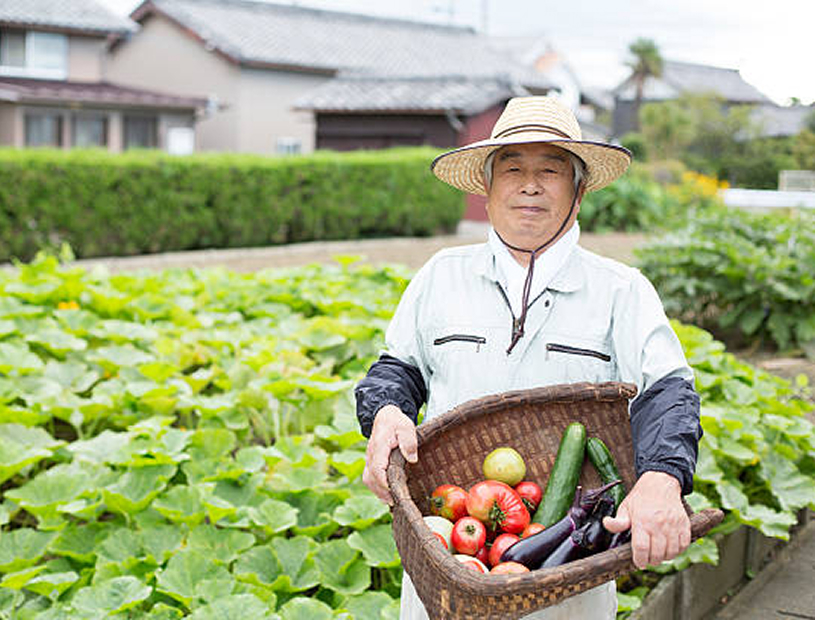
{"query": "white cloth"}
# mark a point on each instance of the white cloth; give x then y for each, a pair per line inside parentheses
(596, 320)
(512, 275)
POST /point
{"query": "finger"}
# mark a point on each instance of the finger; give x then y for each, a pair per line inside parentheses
(374, 483)
(620, 523)
(640, 547)
(684, 537)
(672, 547)
(659, 544)
(407, 443)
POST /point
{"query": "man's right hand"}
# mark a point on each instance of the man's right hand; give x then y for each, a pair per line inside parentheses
(391, 428)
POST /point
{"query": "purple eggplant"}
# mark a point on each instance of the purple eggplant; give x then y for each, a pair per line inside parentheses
(532, 551)
(620, 538)
(568, 550)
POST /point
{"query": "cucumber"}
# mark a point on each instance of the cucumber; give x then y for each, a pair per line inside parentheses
(563, 478)
(600, 457)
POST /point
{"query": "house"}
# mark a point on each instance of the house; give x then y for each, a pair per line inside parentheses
(774, 121)
(283, 74)
(679, 78)
(54, 90)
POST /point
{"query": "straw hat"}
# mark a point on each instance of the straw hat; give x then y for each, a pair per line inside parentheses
(525, 120)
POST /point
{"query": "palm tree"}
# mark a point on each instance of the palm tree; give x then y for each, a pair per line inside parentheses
(647, 62)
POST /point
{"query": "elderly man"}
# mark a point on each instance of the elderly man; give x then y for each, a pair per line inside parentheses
(528, 308)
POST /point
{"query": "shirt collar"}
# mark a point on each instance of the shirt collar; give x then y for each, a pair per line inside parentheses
(569, 278)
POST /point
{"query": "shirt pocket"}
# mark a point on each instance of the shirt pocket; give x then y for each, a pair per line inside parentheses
(575, 360)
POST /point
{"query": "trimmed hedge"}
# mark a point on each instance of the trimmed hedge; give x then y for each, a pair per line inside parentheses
(105, 204)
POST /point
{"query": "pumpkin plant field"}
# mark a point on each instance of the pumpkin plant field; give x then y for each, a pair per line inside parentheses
(184, 444)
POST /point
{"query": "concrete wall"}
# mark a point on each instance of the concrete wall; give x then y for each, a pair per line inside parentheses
(86, 58)
(8, 125)
(265, 110)
(165, 58)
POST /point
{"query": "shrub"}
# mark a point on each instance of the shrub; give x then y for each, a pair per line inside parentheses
(142, 202)
(750, 276)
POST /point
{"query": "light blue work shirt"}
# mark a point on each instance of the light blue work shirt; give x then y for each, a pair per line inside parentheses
(597, 320)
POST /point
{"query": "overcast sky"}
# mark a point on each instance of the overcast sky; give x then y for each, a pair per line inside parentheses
(771, 43)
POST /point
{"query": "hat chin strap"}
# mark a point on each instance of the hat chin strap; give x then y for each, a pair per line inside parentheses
(518, 326)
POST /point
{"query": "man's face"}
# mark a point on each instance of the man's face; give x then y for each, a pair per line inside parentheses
(531, 192)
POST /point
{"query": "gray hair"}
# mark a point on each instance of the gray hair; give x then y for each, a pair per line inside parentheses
(578, 167)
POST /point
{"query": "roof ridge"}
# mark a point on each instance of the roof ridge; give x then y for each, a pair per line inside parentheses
(298, 8)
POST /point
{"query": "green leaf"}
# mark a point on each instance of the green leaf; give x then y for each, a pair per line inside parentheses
(306, 609)
(360, 511)
(792, 489)
(21, 446)
(112, 596)
(57, 341)
(18, 357)
(218, 544)
(160, 541)
(182, 504)
(770, 522)
(370, 605)
(137, 488)
(315, 510)
(162, 611)
(295, 556)
(341, 569)
(16, 581)
(350, 463)
(700, 551)
(188, 574)
(235, 607)
(377, 546)
(107, 447)
(274, 516)
(52, 585)
(79, 542)
(22, 547)
(121, 546)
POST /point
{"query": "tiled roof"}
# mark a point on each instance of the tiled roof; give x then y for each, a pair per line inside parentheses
(295, 37)
(26, 90)
(87, 16)
(461, 95)
(778, 121)
(682, 77)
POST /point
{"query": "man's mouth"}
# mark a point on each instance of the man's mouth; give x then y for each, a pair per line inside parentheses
(529, 209)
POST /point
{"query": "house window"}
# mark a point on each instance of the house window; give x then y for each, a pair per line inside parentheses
(140, 132)
(12, 48)
(43, 129)
(180, 140)
(89, 131)
(289, 146)
(33, 54)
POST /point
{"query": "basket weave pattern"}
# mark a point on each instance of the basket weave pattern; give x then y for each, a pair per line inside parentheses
(452, 448)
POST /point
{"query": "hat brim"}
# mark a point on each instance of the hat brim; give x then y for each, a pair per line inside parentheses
(463, 167)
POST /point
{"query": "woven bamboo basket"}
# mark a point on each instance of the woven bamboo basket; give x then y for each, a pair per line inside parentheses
(451, 450)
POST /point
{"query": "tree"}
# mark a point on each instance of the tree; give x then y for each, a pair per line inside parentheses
(647, 62)
(667, 128)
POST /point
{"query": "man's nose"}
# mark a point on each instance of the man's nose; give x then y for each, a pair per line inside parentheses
(531, 186)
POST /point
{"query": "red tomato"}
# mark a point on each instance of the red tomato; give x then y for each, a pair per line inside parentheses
(472, 563)
(501, 544)
(530, 493)
(498, 505)
(532, 528)
(441, 538)
(449, 501)
(468, 536)
(508, 567)
(484, 554)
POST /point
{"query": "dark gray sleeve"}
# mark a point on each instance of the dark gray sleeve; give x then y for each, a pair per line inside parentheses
(389, 381)
(665, 430)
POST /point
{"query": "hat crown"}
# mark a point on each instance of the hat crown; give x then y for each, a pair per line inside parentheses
(537, 115)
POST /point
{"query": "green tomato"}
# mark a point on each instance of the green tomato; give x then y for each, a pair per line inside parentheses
(504, 465)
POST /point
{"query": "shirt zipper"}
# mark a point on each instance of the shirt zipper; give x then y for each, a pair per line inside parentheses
(479, 340)
(562, 348)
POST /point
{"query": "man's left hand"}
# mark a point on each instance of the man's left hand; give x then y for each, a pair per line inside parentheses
(660, 528)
